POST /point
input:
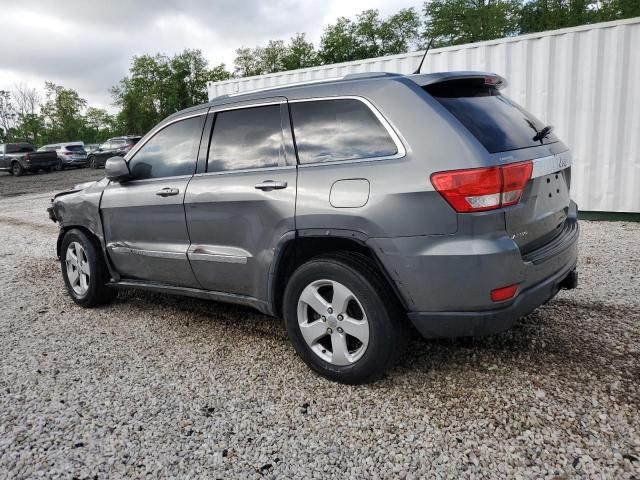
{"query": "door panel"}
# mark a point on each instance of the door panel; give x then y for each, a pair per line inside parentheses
(146, 233)
(143, 219)
(234, 228)
(240, 209)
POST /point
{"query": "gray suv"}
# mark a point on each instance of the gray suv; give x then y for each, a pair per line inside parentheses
(357, 209)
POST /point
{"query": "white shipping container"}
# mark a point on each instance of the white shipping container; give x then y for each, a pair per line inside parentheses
(584, 80)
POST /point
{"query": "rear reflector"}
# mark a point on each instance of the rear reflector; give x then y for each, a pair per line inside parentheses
(504, 293)
(481, 189)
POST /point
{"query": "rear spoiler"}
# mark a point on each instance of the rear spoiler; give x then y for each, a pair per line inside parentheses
(424, 79)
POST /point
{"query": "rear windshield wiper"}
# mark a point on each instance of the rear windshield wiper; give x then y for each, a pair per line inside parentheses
(543, 133)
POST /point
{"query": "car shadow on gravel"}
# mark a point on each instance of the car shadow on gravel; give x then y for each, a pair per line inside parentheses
(564, 335)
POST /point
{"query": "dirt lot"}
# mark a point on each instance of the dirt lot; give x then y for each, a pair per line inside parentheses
(166, 386)
(45, 182)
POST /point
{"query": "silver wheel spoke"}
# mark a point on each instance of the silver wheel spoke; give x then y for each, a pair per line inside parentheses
(312, 332)
(341, 297)
(311, 297)
(356, 328)
(327, 322)
(73, 276)
(339, 351)
(78, 270)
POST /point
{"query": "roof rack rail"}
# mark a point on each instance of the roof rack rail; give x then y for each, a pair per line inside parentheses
(350, 76)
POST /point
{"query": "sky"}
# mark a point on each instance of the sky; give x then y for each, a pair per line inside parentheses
(87, 45)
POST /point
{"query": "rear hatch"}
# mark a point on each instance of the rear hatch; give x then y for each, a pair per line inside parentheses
(511, 134)
(75, 152)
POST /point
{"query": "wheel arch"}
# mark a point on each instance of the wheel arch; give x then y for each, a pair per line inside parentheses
(299, 247)
(93, 236)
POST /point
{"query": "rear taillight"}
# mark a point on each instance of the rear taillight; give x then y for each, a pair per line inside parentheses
(504, 293)
(67, 153)
(481, 189)
(128, 147)
(27, 157)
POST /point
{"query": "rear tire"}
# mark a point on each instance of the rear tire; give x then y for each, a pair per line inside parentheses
(59, 167)
(84, 270)
(16, 169)
(356, 309)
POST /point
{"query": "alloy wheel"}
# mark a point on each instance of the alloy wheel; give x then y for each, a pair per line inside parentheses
(333, 323)
(78, 271)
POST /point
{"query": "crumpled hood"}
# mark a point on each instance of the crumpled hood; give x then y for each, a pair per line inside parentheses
(82, 186)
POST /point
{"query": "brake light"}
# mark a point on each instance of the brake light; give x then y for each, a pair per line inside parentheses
(27, 157)
(504, 293)
(481, 189)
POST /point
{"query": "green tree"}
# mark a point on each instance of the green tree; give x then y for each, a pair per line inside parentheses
(299, 53)
(452, 22)
(7, 116)
(61, 114)
(219, 73)
(98, 125)
(607, 10)
(541, 15)
(248, 62)
(370, 36)
(339, 43)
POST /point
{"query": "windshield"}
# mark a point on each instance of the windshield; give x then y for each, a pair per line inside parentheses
(496, 121)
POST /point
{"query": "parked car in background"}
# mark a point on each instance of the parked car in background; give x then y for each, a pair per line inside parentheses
(91, 147)
(114, 147)
(18, 158)
(70, 154)
(349, 207)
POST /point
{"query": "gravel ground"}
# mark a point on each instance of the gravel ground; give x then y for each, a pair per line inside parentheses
(11, 186)
(162, 386)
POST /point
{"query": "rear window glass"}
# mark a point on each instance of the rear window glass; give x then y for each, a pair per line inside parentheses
(75, 148)
(345, 129)
(496, 121)
(19, 148)
(133, 141)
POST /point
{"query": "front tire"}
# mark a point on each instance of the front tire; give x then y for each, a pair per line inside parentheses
(17, 169)
(93, 163)
(343, 319)
(84, 270)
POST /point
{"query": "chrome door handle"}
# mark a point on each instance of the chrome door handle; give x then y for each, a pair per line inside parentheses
(269, 185)
(167, 192)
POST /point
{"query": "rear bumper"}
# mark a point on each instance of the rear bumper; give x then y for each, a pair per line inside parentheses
(445, 281)
(467, 324)
(39, 164)
(74, 162)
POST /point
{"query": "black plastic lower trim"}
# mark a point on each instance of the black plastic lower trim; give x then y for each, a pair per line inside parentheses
(471, 324)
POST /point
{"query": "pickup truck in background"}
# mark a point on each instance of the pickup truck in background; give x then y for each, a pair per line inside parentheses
(17, 158)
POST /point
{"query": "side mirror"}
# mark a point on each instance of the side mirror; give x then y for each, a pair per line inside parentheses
(117, 170)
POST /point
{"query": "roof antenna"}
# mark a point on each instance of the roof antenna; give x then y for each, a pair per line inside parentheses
(424, 56)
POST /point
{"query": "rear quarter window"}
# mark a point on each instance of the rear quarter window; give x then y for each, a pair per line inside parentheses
(497, 122)
(340, 129)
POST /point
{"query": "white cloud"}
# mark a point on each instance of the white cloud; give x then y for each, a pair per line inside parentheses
(88, 44)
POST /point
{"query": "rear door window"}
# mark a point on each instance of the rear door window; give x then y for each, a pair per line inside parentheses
(247, 138)
(497, 122)
(340, 129)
